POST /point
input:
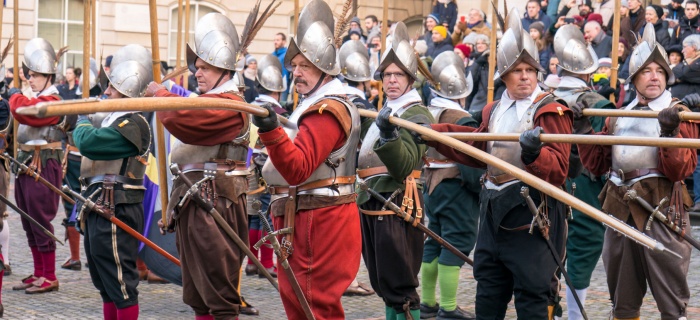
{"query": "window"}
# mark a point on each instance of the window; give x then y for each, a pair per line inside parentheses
(197, 10)
(61, 23)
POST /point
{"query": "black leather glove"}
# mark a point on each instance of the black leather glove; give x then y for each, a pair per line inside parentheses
(692, 100)
(268, 123)
(13, 91)
(670, 120)
(606, 91)
(582, 124)
(417, 137)
(387, 130)
(530, 144)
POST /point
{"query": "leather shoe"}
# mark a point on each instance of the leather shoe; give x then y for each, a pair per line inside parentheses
(271, 270)
(72, 265)
(251, 270)
(42, 285)
(26, 283)
(456, 314)
(248, 309)
(427, 312)
(155, 279)
(361, 289)
(696, 207)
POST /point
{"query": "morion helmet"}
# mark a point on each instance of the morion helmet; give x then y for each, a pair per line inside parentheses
(215, 42)
(130, 72)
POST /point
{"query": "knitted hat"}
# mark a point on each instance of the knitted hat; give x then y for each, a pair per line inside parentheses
(356, 20)
(605, 62)
(441, 30)
(539, 26)
(470, 38)
(596, 17)
(434, 17)
(250, 59)
(108, 61)
(464, 49)
(624, 3)
(356, 31)
(659, 10)
(678, 1)
(421, 47)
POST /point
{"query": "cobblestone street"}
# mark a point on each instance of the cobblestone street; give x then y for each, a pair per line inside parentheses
(78, 299)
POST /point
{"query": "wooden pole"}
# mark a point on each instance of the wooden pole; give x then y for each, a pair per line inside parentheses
(385, 30)
(185, 83)
(582, 139)
(160, 132)
(86, 48)
(529, 179)
(178, 61)
(93, 27)
(295, 94)
(615, 41)
(685, 115)
(17, 81)
(492, 55)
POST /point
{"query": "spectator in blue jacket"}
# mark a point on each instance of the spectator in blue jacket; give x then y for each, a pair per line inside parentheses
(280, 51)
(533, 14)
(446, 11)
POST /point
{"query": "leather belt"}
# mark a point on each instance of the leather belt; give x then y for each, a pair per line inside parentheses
(237, 165)
(31, 147)
(120, 179)
(440, 161)
(70, 148)
(377, 212)
(629, 175)
(501, 178)
(364, 173)
(313, 185)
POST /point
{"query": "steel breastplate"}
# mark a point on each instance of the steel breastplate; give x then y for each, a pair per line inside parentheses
(508, 123)
(39, 135)
(628, 158)
(183, 153)
(570, 96)
(367, 157)
(90, 168)
(344, 157)
(432, 153)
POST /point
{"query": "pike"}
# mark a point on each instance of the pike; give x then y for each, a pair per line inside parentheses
(29, 218)
(656, 214)
(684, 115)
(193, 193)
(272, 238)
(403, 215)
(23, 168)
(531, 180)
(580, 139)
(542, 223)
(91, 206)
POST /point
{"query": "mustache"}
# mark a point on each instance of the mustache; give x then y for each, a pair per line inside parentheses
(298, 80)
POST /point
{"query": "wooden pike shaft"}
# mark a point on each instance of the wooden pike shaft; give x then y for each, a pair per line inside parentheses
(160, 131)
(615, 41)
(16, 80)
(139, 104)
(529, 179)
(582, 139)
(685, 115)
(492, 55)
(86, 48)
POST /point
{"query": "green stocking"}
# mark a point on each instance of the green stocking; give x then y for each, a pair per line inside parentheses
(448, 277)
(429, 277)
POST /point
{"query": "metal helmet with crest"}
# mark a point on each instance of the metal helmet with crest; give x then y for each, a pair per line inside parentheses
(269, 74)
(516, 46)
(354, 61)
(40, 57)
(448, 73)
(93, 74)
(648, 51)
(575, 55)
(314, 38)
(401, 53)
(130, 72)
(215, 42)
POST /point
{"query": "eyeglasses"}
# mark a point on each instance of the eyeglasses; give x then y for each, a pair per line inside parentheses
(396, 75)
